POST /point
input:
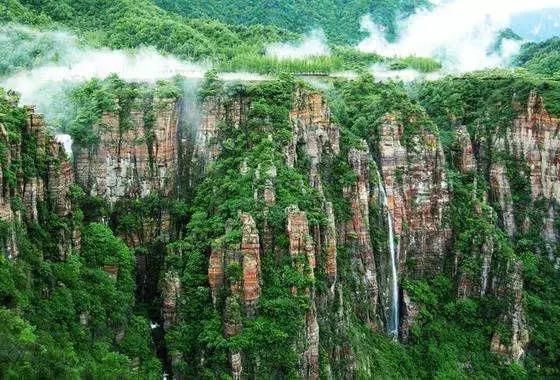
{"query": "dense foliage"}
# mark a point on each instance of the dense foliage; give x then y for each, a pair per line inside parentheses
(302, 16)
(230, 47)
(62, 317)
(130, 24)
(541, 58)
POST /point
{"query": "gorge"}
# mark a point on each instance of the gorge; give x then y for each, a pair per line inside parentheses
(323, 189)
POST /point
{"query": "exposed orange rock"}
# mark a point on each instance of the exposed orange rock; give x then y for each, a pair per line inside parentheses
(312, 125)
(250, 249)
(301, 242)
(534, 138)
(215, 111)
(302, 247)
(418, 195)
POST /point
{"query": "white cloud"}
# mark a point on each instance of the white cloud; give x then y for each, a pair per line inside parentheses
(313, 45)
(461, 33)
(145, 65)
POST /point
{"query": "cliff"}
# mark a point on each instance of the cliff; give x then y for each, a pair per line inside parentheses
(45, 181)
(272, 253)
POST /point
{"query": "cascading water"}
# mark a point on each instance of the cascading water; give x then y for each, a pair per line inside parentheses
(393, 325)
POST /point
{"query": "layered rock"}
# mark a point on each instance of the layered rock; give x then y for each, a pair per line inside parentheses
(216, 111)
(301, 244)
(303, 258)
(51, 185)
(314, 131)
(502, 195)
(131, 161)
(358, 234)
(250, 250)
(417, 194)
(534, 139)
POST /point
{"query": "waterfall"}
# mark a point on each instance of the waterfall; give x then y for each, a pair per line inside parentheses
(393, 323)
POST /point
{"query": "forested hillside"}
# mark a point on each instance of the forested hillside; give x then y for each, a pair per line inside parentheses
(127, 24)
(130, 24)
(541, 58)
(339, 19)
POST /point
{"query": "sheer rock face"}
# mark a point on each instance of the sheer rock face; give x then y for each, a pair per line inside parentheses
(32, 194)
(9, 243)
(409, 314)
(215, 111)
(514, 317)
(247, 256)
(465, 159)
(6, 213)
(534, 139)
(52, 187)
(534, 142)
(61, 178)
(417, 196)
(245, 290)
(502, 195)
(250, 249)
(216, 272)
(301, 243)
(311, 354)
(132, 162)
(516, 314)
(471, 286)
(302, 248)
(330, 246)
(358, 233)
(313, 130)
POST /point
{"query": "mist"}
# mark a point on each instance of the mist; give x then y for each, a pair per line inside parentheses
(50, 60)
(44, 67)
(462, 34)
(314, 44)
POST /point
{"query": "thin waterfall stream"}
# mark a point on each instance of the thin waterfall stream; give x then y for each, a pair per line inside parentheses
(393, 325)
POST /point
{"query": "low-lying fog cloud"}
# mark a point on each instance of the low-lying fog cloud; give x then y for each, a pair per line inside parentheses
(79, 64)
(460, 33)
